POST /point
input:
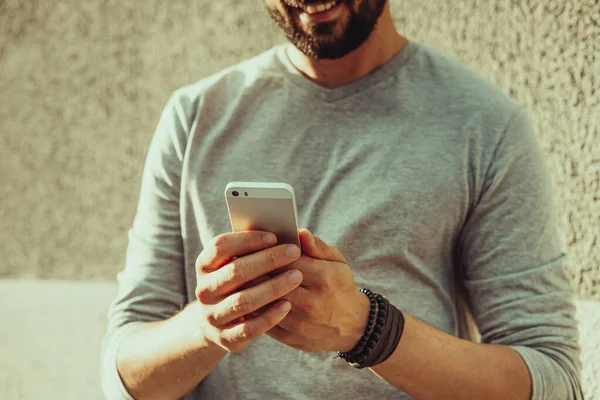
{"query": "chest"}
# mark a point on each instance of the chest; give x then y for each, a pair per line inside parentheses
(392, 185)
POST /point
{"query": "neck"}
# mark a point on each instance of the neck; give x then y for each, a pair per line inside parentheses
(381, 46)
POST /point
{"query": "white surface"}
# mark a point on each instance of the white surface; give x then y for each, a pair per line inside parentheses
(588, 313)
(50, 337)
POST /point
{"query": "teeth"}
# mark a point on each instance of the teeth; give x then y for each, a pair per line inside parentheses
(317, 8)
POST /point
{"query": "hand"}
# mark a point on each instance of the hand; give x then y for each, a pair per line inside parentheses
(223, 268)
(328, 312)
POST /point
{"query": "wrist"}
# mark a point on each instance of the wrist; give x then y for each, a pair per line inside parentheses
(358, 323)
(385, 327)
(192, 323)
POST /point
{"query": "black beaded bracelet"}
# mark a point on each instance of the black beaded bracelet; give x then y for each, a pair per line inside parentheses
(392, 333)
(382, 311)
(381, 337)
(367, 342)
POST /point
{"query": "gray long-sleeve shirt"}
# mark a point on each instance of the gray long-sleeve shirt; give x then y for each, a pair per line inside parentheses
(429, 180)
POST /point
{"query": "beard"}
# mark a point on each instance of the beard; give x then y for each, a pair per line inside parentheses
(333, 39)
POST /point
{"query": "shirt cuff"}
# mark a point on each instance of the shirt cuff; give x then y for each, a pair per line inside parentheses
(538, 391)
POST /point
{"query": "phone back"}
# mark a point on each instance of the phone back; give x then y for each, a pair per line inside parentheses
(263, 206)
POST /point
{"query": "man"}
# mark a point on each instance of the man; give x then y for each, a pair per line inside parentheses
(428, 180)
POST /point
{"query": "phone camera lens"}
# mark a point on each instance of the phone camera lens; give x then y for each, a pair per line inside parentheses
(236, 194)
(246, 194)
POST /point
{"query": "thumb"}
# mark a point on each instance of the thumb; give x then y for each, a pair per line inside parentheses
(313, 246)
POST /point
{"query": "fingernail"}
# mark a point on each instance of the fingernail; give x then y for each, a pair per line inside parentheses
(285, 306)
(295, 277)
(269, 238)
(292, 251)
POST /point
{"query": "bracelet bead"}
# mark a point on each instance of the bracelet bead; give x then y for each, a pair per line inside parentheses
(382, 333)
(361, 346)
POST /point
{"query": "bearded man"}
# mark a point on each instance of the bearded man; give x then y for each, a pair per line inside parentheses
(427, 189)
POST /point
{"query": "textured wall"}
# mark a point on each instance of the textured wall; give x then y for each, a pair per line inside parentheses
(82, 85)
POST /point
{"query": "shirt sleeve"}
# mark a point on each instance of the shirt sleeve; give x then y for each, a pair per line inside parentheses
(514, 265)
(152, 283)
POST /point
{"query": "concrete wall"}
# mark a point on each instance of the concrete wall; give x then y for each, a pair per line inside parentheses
(82, 84)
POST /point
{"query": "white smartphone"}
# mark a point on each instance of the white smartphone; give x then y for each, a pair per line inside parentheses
(264, 206)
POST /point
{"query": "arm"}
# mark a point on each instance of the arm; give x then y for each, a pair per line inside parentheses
(167, 359)
(153, 351)
(511, 264)
(152, 285)
(431, 364)
(520, 295)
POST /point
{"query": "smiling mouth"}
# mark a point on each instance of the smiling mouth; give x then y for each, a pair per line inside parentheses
(319, 7)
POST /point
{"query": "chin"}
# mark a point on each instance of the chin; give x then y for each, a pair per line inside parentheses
(335, 39)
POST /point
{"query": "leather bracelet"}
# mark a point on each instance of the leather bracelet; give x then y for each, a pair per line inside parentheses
(361, 360)
(379, 342)
(390, 337)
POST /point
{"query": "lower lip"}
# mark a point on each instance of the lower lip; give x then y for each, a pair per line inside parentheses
(322, 16)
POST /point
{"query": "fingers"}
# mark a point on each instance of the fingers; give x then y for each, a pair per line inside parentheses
(229, 245)
(254, 327)
(258, 280)
(314, 246)
(282, 335)
(312, 269)
(249, 300)
(214, 286)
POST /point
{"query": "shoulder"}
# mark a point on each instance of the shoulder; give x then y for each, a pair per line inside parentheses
(458, 91)
(226, 85)
(210, 96)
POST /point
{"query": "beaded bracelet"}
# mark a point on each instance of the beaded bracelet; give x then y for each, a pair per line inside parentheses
(359, 361)
(381, 337)
(367, 342)
(391, 335)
